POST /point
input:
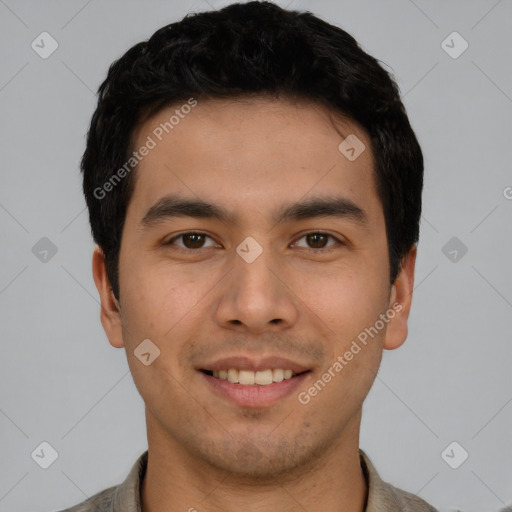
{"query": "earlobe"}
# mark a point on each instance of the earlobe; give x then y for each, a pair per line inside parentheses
(110, 307)
(400, 302)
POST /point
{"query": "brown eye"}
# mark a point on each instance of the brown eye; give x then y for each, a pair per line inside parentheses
(189, 240)
(193, 240)
(317, 240)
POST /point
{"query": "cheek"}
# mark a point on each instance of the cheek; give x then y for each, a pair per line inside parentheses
(349, 307)
(344, 299)
(163, 303)
(152, 311)
(161, 310)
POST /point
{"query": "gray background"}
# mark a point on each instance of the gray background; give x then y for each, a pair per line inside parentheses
(60, 380)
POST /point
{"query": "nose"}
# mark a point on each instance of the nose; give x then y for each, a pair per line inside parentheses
(257, 296)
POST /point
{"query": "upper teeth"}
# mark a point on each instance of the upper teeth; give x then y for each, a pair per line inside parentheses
(248, 377)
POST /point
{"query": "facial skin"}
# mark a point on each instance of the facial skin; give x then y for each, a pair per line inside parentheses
(295, 300)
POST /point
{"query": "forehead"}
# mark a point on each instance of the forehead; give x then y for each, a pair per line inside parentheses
(252, 153)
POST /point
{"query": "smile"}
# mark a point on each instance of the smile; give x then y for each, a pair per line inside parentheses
(251, 378)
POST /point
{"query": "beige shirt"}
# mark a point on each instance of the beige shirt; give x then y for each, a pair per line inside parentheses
(382, 497)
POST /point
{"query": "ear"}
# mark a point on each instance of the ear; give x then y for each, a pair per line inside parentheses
(401, 298)
(110, 307)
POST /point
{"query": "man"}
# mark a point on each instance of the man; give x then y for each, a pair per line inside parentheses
(254, 188)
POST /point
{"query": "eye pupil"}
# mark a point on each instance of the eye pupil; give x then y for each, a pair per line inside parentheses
(197, 240)
(313, 238)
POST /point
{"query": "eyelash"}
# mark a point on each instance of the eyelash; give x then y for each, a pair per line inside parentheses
(324, 250)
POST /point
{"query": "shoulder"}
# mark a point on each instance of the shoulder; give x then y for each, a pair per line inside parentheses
(406, 501)
(384, 497)
(118, 498)
(100, 502)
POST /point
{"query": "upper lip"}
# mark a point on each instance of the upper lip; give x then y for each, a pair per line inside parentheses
(254, 364)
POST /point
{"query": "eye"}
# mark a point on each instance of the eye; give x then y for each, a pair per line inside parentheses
(318, 240)
(190, 240)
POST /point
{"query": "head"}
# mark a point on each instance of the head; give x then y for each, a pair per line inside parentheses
(228, 125)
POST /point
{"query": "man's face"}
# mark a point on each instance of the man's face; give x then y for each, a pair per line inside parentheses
(209, 304)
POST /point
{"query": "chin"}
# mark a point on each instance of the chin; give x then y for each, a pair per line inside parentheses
(261, 460)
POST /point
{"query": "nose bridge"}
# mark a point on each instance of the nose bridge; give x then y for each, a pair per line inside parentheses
(254, 268)
(254, 277)
(253, 262)
(255, 295)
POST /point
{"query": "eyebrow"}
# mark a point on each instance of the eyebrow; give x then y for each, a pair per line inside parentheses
(172, 206)
(321, 207)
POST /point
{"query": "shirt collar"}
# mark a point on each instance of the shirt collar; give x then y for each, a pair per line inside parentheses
(382, 497)
(127, 497)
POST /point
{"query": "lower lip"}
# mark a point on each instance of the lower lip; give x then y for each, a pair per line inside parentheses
(255, 395)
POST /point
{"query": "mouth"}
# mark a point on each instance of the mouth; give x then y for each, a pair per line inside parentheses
(247, 382)
(253, 378)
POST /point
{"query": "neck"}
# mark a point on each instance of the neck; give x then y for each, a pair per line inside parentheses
(177, 480)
